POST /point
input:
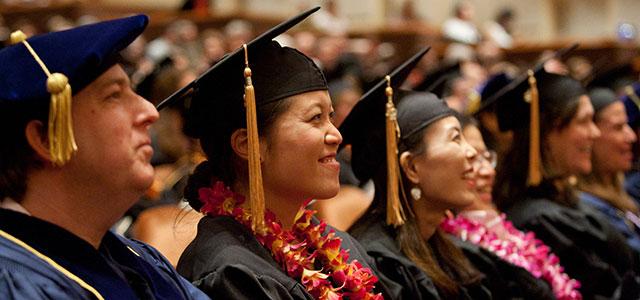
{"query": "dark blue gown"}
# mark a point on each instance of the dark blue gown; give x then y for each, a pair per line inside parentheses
(118, 269)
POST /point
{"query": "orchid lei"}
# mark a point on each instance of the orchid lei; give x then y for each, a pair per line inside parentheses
(303, 252)
(521, 249)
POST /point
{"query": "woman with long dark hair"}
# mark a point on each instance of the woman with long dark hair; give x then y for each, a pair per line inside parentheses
(552, 122)
(270, 147)
(431, 162)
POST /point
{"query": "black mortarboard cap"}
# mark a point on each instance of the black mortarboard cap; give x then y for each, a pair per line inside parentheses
(614, 78)
(229, 94)
(369, 112)
(224, 81)
(511, 107)
(631, 102)
(438, 80)
(602, 97)
(520, 104)
(364, 127)
(372, 128)
(494, 84)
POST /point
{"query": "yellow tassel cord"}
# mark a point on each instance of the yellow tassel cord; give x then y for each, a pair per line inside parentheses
(62, 143)
(535, 166)
(632, 95)
(256, 192)
(395, 212)
(474, 103)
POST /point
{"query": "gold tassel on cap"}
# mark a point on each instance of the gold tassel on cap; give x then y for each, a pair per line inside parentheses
(535, 166)
(631, 93)
(62, 144)
(256, 192)
(395, 213)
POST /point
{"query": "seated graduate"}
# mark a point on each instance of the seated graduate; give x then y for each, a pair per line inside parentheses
(552, 120)
(612, 156)
(632, 106)
(270, 147)
(437, 163)
(410, 280)
(75, 156)
(482, 224)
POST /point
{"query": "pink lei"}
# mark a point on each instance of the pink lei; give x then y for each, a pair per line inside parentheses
(494, 233)
(299, 250)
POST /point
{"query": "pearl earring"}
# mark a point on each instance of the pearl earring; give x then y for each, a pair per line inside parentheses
(416, 193)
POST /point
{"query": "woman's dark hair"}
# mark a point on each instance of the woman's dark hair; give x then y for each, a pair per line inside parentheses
(433, 256)
(16, 155)
(222, 163)
(511, 178)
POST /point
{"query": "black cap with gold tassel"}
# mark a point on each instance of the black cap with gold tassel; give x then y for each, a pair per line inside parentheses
(374, 114)
(522, 103)
(535, 161)
(222, 97)
(256, 192)
(395, 213)
(60, 128)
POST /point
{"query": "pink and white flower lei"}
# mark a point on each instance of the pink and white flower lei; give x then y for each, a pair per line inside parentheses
(521, 249)
(303, 252)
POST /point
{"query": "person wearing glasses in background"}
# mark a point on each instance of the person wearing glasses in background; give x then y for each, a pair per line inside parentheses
(482, 224)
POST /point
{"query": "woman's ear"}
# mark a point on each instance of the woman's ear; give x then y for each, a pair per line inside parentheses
(408, 166)
(240, 143)
(37, 137)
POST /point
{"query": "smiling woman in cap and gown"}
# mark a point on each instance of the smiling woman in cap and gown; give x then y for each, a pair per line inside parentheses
(403, 234)
(612, 155)
(552, 120)
(74, 157)
(263, 118)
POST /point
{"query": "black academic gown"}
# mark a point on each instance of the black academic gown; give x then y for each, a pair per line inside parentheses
(225, 260)
(405, 279)
(119, 269)
(503, 279)
(589, 248)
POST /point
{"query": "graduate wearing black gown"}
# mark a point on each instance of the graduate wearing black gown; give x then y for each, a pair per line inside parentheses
(458, 260)
(540, 198)
(55, 241)
(227, 258)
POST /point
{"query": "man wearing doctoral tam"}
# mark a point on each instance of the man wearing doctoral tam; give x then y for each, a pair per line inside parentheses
(75, 155)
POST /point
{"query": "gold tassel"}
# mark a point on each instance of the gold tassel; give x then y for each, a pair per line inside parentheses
(535, 167)
(256, 192)
(474, 103)
(631, 93)
(62, 143)
(395, 212)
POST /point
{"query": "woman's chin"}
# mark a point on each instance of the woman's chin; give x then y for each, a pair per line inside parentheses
(485, 197)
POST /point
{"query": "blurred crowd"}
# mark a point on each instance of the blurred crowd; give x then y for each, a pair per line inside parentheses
(459, 74)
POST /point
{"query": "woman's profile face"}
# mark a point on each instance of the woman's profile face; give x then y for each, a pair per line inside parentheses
(444, 170)
(612, 151)
(568, 150)
(301, 145)
(483, 164)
